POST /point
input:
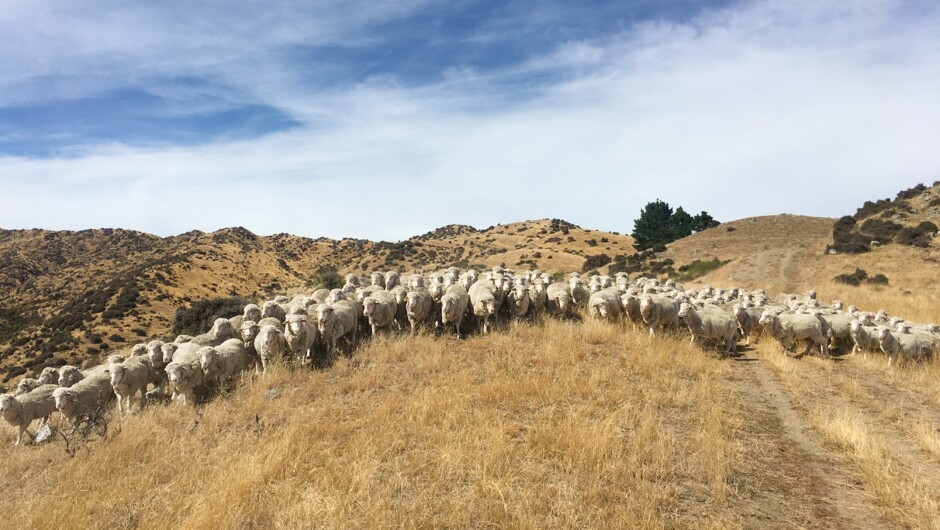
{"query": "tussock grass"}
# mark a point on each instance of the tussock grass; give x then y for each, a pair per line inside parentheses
(551, 425)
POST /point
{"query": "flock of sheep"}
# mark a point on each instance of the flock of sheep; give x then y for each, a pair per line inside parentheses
(295, 330)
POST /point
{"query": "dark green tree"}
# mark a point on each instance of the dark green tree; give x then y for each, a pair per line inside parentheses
(652, 227)
(658, 224)
(703, 221)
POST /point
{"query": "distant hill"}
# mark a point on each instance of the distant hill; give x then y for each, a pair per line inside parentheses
(72, 296)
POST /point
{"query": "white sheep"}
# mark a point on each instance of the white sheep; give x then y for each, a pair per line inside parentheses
(658, 312)
(906, 344)
(418, 306)
(482, 303)
(223, 362)
(538, 296)
(839, 329)
(392, 278)
(88, 396)
(380, 308)
(20, 411)
(252, 312)
(558, 299)
(454, 305)
(416, 282)
(787, 328)
(716, 325)
(605, 304)
(863, 337)
(184, 373)
(747, 319)
(518, 300)
(270, 345)
(301, 336)
(50, 375)
(337, 320)
(378, 278)
(222, 330)
(25, 386)
(580, 294)
(69, 375)
(273, 310)
(131, 376)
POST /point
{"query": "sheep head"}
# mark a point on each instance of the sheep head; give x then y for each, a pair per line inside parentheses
(9, 407)
(685, 310)
(50, 376)
(25, 386)
(118, 374)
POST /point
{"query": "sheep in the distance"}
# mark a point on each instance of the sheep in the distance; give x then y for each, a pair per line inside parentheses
(25, 386)
(273, 310)
(518, 300)
(69, 375)
(558, 299)
(50, 374)
(863, 337)
(20, 411)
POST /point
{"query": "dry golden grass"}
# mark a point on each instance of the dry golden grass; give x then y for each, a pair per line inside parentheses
(560, 425)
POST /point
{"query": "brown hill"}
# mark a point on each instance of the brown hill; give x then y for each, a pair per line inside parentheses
(73, 296)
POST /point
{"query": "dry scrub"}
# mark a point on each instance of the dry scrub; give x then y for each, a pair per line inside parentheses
(560, 425)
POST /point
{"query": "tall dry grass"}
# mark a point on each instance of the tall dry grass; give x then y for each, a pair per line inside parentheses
(554, 425)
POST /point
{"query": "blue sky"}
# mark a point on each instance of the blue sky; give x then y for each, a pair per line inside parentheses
(385, 119)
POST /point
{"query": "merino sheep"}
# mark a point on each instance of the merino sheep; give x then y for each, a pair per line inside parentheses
(558, 299)
(273, 310)
(418, 305)
(20, 411)
(129, 377)
(392, 278)
(580, 294)
(401, 312)
(270, 345)
(716, 325)
(416, 282)
(538, 296)
(184, 373)
(787, 328)
(863, 337)
(380, 308)
(658, 312)
(25, 386)
(50, 375)
(747, 319)
(378, 279)
(631, 307)
(337, 320)
(839, 332)
(69, 375)
(906, 344)
(482, 303)
(223, 362)
(605, 304)
(88, 396)
(300, 336)
(319, 297)
(518, 300)
(454, 305)
(252, 312)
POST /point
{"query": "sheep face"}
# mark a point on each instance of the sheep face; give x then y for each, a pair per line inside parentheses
(377, 278)
(210, 362)
(325, 316)
(335, 296)
(252, 312)
(400, 295)
(223, 328)
(855, 326)
(26, 385)
(65, 401)
(436, 291)
(449, 309)
(9, 407)
(368, 306)
(249, 331)
(49, 376)
(685, 310)
(118, 374)
(69, 375)
(168, 351)
(882, 333)
(646, 306)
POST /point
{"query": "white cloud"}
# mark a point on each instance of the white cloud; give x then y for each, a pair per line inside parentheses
(772, 107)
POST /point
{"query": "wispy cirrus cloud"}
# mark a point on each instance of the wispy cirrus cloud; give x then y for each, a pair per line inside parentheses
(400, 118)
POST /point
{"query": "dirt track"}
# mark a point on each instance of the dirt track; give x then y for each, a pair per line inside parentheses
(795, 408)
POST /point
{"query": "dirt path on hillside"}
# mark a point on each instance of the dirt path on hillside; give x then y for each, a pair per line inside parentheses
(818, 487)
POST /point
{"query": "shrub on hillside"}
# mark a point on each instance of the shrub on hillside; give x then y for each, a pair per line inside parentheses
(699, 268)
(595, 261)
(200, 316)
(326, 277)
(856, 278)
(879, 230)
